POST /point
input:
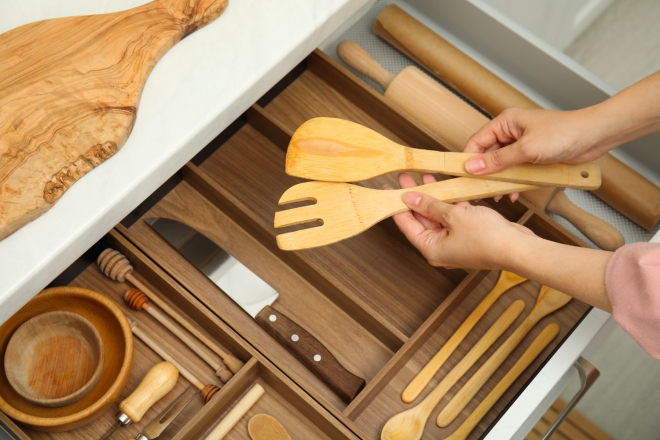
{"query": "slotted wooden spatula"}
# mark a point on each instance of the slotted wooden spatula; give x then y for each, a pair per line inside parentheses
(336, 150)
(346, 210)
(69, 94)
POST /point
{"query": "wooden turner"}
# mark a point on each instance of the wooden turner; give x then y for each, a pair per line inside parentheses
(335, 150)
(70, 93)
(346, 210)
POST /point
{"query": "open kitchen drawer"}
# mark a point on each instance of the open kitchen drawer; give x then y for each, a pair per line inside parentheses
(373, 300)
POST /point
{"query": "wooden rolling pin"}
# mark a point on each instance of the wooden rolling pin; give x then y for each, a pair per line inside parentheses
(237, 412)
(623, 188)
(454, 122)
(116, 266)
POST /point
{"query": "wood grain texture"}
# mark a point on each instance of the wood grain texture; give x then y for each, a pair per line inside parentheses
(54, 359)
(453, 121)
(409, 425)
(111, 325)
(265, 427)
(337, 150)
(70, 92)
(621, 187)
(537, 346)
(505, 282)
(311, 352)
(346, 210)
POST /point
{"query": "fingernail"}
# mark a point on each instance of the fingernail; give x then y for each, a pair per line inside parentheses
(412, 198)
(475, 165)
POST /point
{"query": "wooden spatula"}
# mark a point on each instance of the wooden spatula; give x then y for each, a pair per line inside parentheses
(265, 427)
(70, 92)
(336, 150)
(346, 210)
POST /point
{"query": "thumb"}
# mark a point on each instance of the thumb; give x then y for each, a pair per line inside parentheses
(428, 206)
(496, 160)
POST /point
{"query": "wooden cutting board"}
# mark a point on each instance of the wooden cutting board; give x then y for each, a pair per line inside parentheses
(69, 93)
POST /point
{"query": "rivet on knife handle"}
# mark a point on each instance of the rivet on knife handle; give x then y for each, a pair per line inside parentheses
(311, 352)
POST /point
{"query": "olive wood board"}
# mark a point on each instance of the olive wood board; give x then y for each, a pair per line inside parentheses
(71, 87)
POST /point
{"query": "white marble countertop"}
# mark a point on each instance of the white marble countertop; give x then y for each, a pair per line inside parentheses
(196, 90)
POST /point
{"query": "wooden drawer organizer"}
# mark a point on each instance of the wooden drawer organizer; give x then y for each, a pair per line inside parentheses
(373, 300)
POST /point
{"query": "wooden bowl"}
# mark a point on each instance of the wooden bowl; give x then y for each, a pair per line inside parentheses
(117, 338)
(54, 359)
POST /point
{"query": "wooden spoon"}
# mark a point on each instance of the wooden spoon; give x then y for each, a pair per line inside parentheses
(548, 301)
(265, 427)
(335, 150)
(506, 281)
(409, 425)
(542, 340)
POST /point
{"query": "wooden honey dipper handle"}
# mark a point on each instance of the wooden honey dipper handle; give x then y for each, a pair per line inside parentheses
(359, 59)
(117, 267)
(207, 390)
(137, 300)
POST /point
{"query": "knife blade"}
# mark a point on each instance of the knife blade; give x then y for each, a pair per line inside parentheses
(255, 296)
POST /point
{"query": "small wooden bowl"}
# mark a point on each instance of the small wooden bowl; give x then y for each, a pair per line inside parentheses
(112, 326)
(54, 359)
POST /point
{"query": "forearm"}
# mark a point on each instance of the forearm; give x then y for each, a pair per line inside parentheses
(578, 272)
(631, 113)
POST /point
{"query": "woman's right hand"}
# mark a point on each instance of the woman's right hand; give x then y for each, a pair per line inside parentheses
(536, 136)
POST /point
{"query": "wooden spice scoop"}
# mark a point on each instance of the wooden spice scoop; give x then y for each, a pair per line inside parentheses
(116, 266)
(453, 121)
(336, 150)
(623, 188)
(506, 281)
(347, 210)
(533, 351)
(409, 424)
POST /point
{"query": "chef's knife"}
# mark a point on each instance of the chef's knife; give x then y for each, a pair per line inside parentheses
(256, 297)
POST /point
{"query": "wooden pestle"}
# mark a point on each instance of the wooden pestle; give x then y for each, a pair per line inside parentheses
(623, 188)
(137, 300)
(116, 266)
(453, 121)
(506, 281)
(207, 391)
(540, 343)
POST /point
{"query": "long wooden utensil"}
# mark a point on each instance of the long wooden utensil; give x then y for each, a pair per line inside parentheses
(540, 343)
(137, 300)
(237, 412)
(506, 281)
(623, 188)
(548, 301)
(207, 390)
(347, 210)
(453, 121)
(409, 425)
(70, 91)
(116, 266)
(336, 150)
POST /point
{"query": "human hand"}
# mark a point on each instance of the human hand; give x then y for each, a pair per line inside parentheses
(460, 235)
(536, 136)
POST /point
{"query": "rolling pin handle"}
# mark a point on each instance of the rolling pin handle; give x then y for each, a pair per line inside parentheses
(359, 59)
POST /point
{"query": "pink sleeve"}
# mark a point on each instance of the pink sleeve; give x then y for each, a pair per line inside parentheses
(632, 280)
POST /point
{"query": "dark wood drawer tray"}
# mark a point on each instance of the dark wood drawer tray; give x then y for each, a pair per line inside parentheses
(373, 300)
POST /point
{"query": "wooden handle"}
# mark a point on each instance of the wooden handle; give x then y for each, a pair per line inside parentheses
(311, 352)
(599, 231)
(533, 351)
(242, 407)
(158, 381)
(359, 59)
(506, 281)
(137, 300)
(623, 188)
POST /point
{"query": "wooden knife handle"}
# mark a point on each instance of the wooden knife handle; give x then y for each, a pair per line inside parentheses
(311, 352)
(156, 383)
